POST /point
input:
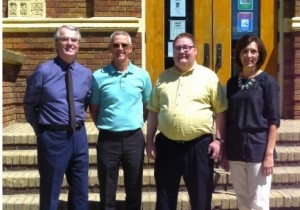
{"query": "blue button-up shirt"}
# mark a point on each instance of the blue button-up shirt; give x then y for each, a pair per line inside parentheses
(45, 100)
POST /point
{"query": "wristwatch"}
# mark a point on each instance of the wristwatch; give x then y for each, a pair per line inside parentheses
(219, 139)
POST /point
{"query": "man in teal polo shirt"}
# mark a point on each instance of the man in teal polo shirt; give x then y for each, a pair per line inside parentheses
(120, 92)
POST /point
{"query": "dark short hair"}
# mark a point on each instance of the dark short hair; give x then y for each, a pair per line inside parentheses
(242, 43)
(187, 35)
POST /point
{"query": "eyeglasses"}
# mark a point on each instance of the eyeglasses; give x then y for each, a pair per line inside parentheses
(123, 45)
(183, 48)
(67, 39)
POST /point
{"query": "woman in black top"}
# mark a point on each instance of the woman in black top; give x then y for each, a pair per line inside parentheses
(253, 120)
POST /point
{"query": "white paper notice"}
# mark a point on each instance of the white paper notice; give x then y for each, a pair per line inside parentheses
(170, 49)
(176, 27)
(177, 8)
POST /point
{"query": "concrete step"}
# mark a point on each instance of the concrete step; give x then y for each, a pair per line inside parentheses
(29, 180)
(28, 157)
(26, 180)
(225, 200)
(148, 201)
(21, 180)
(289, 155)
(19, 134)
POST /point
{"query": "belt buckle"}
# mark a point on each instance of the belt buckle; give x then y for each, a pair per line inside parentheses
(77, 127)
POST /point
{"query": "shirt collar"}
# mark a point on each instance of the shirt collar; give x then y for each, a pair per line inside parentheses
(63, 64)
(190, 71)
(113, 70)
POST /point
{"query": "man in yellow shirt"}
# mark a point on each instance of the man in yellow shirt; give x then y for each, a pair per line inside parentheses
(184, 104)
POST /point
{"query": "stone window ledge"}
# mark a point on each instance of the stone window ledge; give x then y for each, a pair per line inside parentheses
(95, 24)
(292, 24)
(11, 57)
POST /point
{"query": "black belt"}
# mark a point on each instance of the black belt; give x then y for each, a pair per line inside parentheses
(187, 141)
(119, 133)
(62, 127)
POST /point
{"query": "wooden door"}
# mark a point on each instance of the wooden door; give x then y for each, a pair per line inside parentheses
(213, 29)
(213, 35)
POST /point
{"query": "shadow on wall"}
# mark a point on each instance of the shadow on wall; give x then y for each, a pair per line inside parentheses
(12, 63)
(10, 72)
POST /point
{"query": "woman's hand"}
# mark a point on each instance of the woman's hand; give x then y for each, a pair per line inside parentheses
(268, 165)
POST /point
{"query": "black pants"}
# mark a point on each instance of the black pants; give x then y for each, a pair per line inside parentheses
(113, 150)
(189, 160)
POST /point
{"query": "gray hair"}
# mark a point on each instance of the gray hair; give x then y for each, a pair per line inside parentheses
(116, 33)
(70, 27)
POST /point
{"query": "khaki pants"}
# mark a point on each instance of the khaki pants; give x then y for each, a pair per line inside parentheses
(251, 187)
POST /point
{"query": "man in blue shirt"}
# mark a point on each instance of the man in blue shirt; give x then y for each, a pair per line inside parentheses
(120, 92)
(62, 148)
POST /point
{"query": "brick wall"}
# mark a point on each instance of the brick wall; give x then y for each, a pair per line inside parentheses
(116, 8)
(288, 84)
(96, 8)
(291, 80)
(4, 8)
(90, 8)
(69, 9)
(296, 78)
(297, 7)
(10, 96)
(37, 47)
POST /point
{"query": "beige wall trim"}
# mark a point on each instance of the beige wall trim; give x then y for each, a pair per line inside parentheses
(95, 24)
(292, 24)
(11, 57)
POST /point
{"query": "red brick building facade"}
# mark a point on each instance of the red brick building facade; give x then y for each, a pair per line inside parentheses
(28, 42)
(34, 44)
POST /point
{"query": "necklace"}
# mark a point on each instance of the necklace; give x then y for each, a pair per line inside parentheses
(249, 82)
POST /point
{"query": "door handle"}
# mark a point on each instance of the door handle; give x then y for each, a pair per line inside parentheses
(218, 56)
(206, 55)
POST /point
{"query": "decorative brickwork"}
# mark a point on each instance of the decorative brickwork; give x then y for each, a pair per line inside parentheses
(26, 8)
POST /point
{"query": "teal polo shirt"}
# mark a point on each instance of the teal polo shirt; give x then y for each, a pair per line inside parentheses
(120, 97)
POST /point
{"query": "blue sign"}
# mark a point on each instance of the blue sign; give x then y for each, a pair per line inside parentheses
(245, 22)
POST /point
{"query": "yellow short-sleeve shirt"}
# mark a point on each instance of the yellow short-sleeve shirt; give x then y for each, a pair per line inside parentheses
(186, 102)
